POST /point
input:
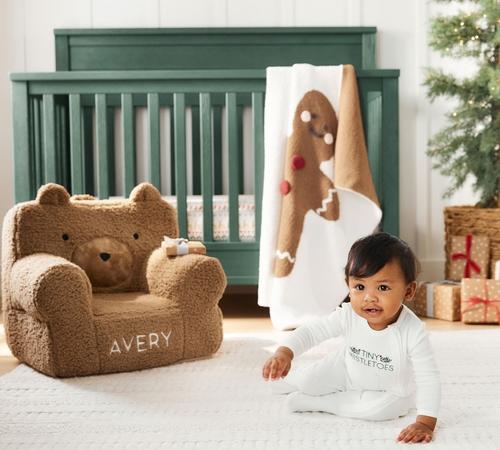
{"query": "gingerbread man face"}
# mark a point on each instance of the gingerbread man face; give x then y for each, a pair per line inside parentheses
(315, 121)
(304, 185)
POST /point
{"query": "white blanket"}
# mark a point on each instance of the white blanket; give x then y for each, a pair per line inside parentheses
(314, 283)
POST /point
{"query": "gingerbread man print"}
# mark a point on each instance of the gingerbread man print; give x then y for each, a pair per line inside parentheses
(304, 185)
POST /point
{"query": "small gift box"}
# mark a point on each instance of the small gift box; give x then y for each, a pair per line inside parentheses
(469, 257)
(180, 246)
(480, 301)
(440, 300)
(447, 301)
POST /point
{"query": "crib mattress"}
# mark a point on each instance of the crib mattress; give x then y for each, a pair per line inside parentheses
(246, 203)
(220, 216)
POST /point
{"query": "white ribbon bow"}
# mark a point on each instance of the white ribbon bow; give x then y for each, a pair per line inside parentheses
(180, 243)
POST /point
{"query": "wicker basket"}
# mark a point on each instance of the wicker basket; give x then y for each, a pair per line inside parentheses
(463, 220)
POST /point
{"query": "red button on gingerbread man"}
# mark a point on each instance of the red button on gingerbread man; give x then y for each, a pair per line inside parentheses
(305, 186)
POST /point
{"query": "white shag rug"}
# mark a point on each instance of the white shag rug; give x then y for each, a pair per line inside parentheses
(222, 403)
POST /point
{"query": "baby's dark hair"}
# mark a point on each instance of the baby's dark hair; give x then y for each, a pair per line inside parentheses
(369, 254)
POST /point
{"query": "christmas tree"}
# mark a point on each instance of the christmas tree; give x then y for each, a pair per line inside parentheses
(470, 144)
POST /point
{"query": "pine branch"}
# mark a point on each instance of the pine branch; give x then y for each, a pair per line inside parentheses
(470, 143)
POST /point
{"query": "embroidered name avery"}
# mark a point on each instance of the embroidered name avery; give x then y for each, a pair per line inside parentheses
(140, 342)
(371, 359)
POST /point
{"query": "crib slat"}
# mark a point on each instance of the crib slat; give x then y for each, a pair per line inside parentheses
(57, 137)
(241, 186)
(88, 151)
(180, 160)
(217, 113)
(128, 130)
(154, 139)
(233, 150)
(64, 140)
(31, 139)
(49, 139)
(258, 148)
(76, 149)
(206, 165)
(172, 152)
(195, 133)
(111, 146)
(103, 179)
(373, 126)
(37, 141)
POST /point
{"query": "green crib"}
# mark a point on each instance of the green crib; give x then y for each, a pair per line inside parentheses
(65, 121)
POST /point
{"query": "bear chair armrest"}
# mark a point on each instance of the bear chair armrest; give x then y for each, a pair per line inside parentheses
(194, 282)
(51, 288)
(50, 318)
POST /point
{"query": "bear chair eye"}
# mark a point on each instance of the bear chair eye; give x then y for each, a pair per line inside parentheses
(65, 237)
(136, 236)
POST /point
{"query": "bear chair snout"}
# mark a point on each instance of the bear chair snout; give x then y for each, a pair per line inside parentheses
(106, 261)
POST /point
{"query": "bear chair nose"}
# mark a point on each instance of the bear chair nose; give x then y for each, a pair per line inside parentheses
(104, 256)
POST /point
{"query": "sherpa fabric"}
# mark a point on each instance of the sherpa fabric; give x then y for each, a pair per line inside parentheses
(87, 288)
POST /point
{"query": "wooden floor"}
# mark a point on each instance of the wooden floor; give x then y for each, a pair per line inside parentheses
(241, 315)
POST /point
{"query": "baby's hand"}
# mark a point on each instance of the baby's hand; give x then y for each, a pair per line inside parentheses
(416, 432)
(278, 365)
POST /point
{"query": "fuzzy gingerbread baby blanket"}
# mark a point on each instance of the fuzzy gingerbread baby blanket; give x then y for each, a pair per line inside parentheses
(318, 195)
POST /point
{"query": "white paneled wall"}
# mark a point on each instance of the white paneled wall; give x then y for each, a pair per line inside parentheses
(27, 43)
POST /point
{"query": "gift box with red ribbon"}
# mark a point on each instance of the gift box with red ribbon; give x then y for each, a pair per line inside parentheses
(469, 257)
(480, 301)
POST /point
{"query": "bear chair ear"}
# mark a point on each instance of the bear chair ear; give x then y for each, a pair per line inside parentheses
(52, 194)
(145, 192)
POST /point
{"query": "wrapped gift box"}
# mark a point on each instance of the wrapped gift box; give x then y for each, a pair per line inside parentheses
(180, 246)
(495, 269)
(439, 300)
(469, 257)
(480, 301)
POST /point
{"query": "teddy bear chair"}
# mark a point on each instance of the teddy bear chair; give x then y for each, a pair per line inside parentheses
(87, 288)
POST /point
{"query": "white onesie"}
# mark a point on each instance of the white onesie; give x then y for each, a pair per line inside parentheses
(373, 376)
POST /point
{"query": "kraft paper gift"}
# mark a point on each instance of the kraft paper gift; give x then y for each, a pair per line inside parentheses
(469, 257)
(480, 301)
(180, 246)
(439, 300)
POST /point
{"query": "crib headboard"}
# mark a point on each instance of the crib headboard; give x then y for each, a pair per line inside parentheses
(212, 48)
(63, 121)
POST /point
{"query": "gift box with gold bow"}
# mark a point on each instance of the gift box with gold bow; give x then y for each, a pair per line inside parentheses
(480, 301)
(469, 257)
(180, 246)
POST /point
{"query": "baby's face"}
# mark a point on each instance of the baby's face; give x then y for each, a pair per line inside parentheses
(378, 298)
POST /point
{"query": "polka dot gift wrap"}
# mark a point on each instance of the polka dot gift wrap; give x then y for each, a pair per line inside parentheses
(480, 301)
(440, 300)
(469, 257)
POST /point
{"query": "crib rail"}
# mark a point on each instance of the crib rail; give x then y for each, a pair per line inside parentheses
(64, 133)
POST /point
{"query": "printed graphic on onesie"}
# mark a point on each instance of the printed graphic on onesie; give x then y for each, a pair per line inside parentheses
(370, 359)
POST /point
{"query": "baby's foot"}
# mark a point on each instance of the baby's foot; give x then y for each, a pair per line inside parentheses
(299, 402)
(281, 387)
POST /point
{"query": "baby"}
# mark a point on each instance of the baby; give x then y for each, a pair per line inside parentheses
(385, 347)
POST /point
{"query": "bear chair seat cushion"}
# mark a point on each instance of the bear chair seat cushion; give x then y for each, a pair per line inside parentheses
(87, 288)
